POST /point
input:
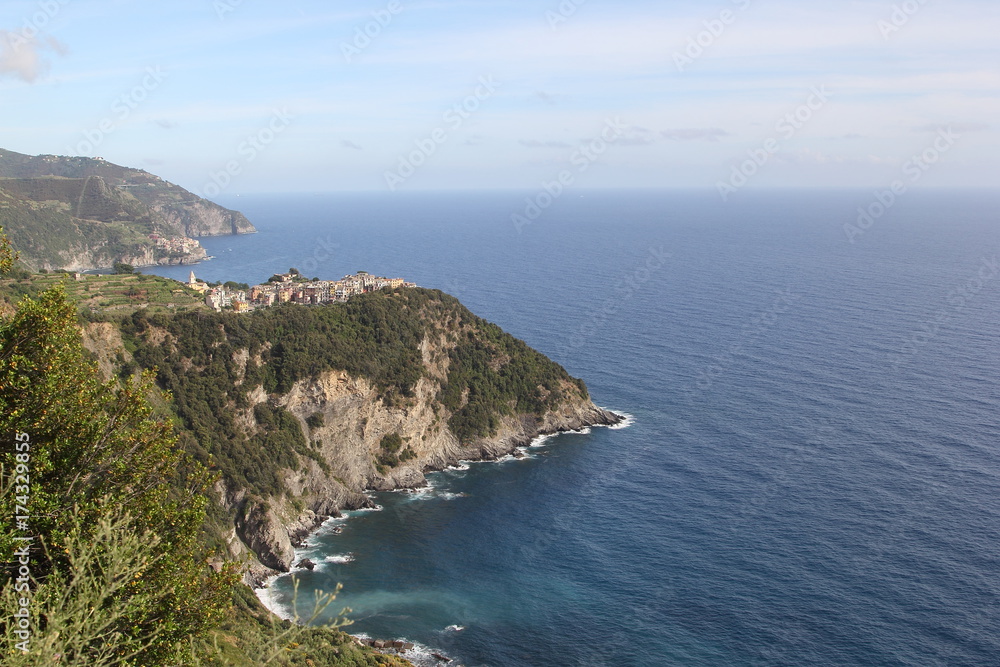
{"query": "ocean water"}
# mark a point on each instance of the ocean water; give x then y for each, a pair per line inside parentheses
(811, 475)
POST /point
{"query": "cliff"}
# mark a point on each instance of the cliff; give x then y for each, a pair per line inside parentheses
(303, 409)
(78, 213)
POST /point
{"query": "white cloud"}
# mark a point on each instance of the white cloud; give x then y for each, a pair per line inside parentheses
(22, 56)
(695, 134)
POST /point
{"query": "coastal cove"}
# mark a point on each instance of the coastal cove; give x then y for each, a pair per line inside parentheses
(352, 549)
(811, 477)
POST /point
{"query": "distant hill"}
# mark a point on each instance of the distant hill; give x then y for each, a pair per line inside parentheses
(79, 213)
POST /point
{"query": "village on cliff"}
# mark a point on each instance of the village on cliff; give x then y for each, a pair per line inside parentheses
(291, 287)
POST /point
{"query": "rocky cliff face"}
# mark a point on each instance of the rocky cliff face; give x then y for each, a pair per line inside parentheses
(78, 213)
(203, 218)
(266, 399)
(354, 421)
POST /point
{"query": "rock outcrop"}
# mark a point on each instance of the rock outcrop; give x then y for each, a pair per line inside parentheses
(78, 213)
(354, 422)
(298, 439)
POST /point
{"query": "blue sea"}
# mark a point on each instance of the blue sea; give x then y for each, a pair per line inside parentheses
(811, 474)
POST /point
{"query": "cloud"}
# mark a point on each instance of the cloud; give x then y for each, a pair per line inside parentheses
(350, 144)
(22, 57)
(547, 97)
(635, 135)
(474, 140)
(695, 134)
(960, 128)
(531, 143)
(165, 124)
(809, 157)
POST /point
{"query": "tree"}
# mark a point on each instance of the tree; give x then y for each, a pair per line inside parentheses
(93, 448)
(121, 268)
(7, 254)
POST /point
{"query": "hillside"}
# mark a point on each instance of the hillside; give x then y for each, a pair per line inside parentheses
(175, 450)
(302, 409)
(78, 213)
(107, 565)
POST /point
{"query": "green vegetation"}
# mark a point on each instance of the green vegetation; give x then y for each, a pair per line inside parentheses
(376, 336)
(63, 211)
(94, 447)
(389, 454)
(111, 292)
(117, 587)
(121, 268)
(496, 374)
(117, 574)
(47, 233)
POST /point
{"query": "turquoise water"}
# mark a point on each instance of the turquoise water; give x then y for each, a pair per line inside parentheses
(812, 476)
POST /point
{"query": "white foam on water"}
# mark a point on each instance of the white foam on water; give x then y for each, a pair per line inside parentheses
(542, 439)
(340, 559)
(271, 599)
(421, 493)
(376, 508)
(625, 423)
(423, 656)
(627, 420)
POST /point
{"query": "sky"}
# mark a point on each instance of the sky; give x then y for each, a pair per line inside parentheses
(245, 96)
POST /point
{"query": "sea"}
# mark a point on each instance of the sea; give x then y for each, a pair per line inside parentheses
(810, 470)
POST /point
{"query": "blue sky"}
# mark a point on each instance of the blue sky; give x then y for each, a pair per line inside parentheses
(257, 96)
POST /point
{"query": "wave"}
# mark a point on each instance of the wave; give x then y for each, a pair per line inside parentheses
(454, 628)
(424, 656)
(627, 422)
(542, 439)
(340, 559)
(361, 510)
(420, 655)
(420, 493)
(272, 600)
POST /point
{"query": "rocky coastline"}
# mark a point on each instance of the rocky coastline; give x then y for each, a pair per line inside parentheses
(275, 556)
